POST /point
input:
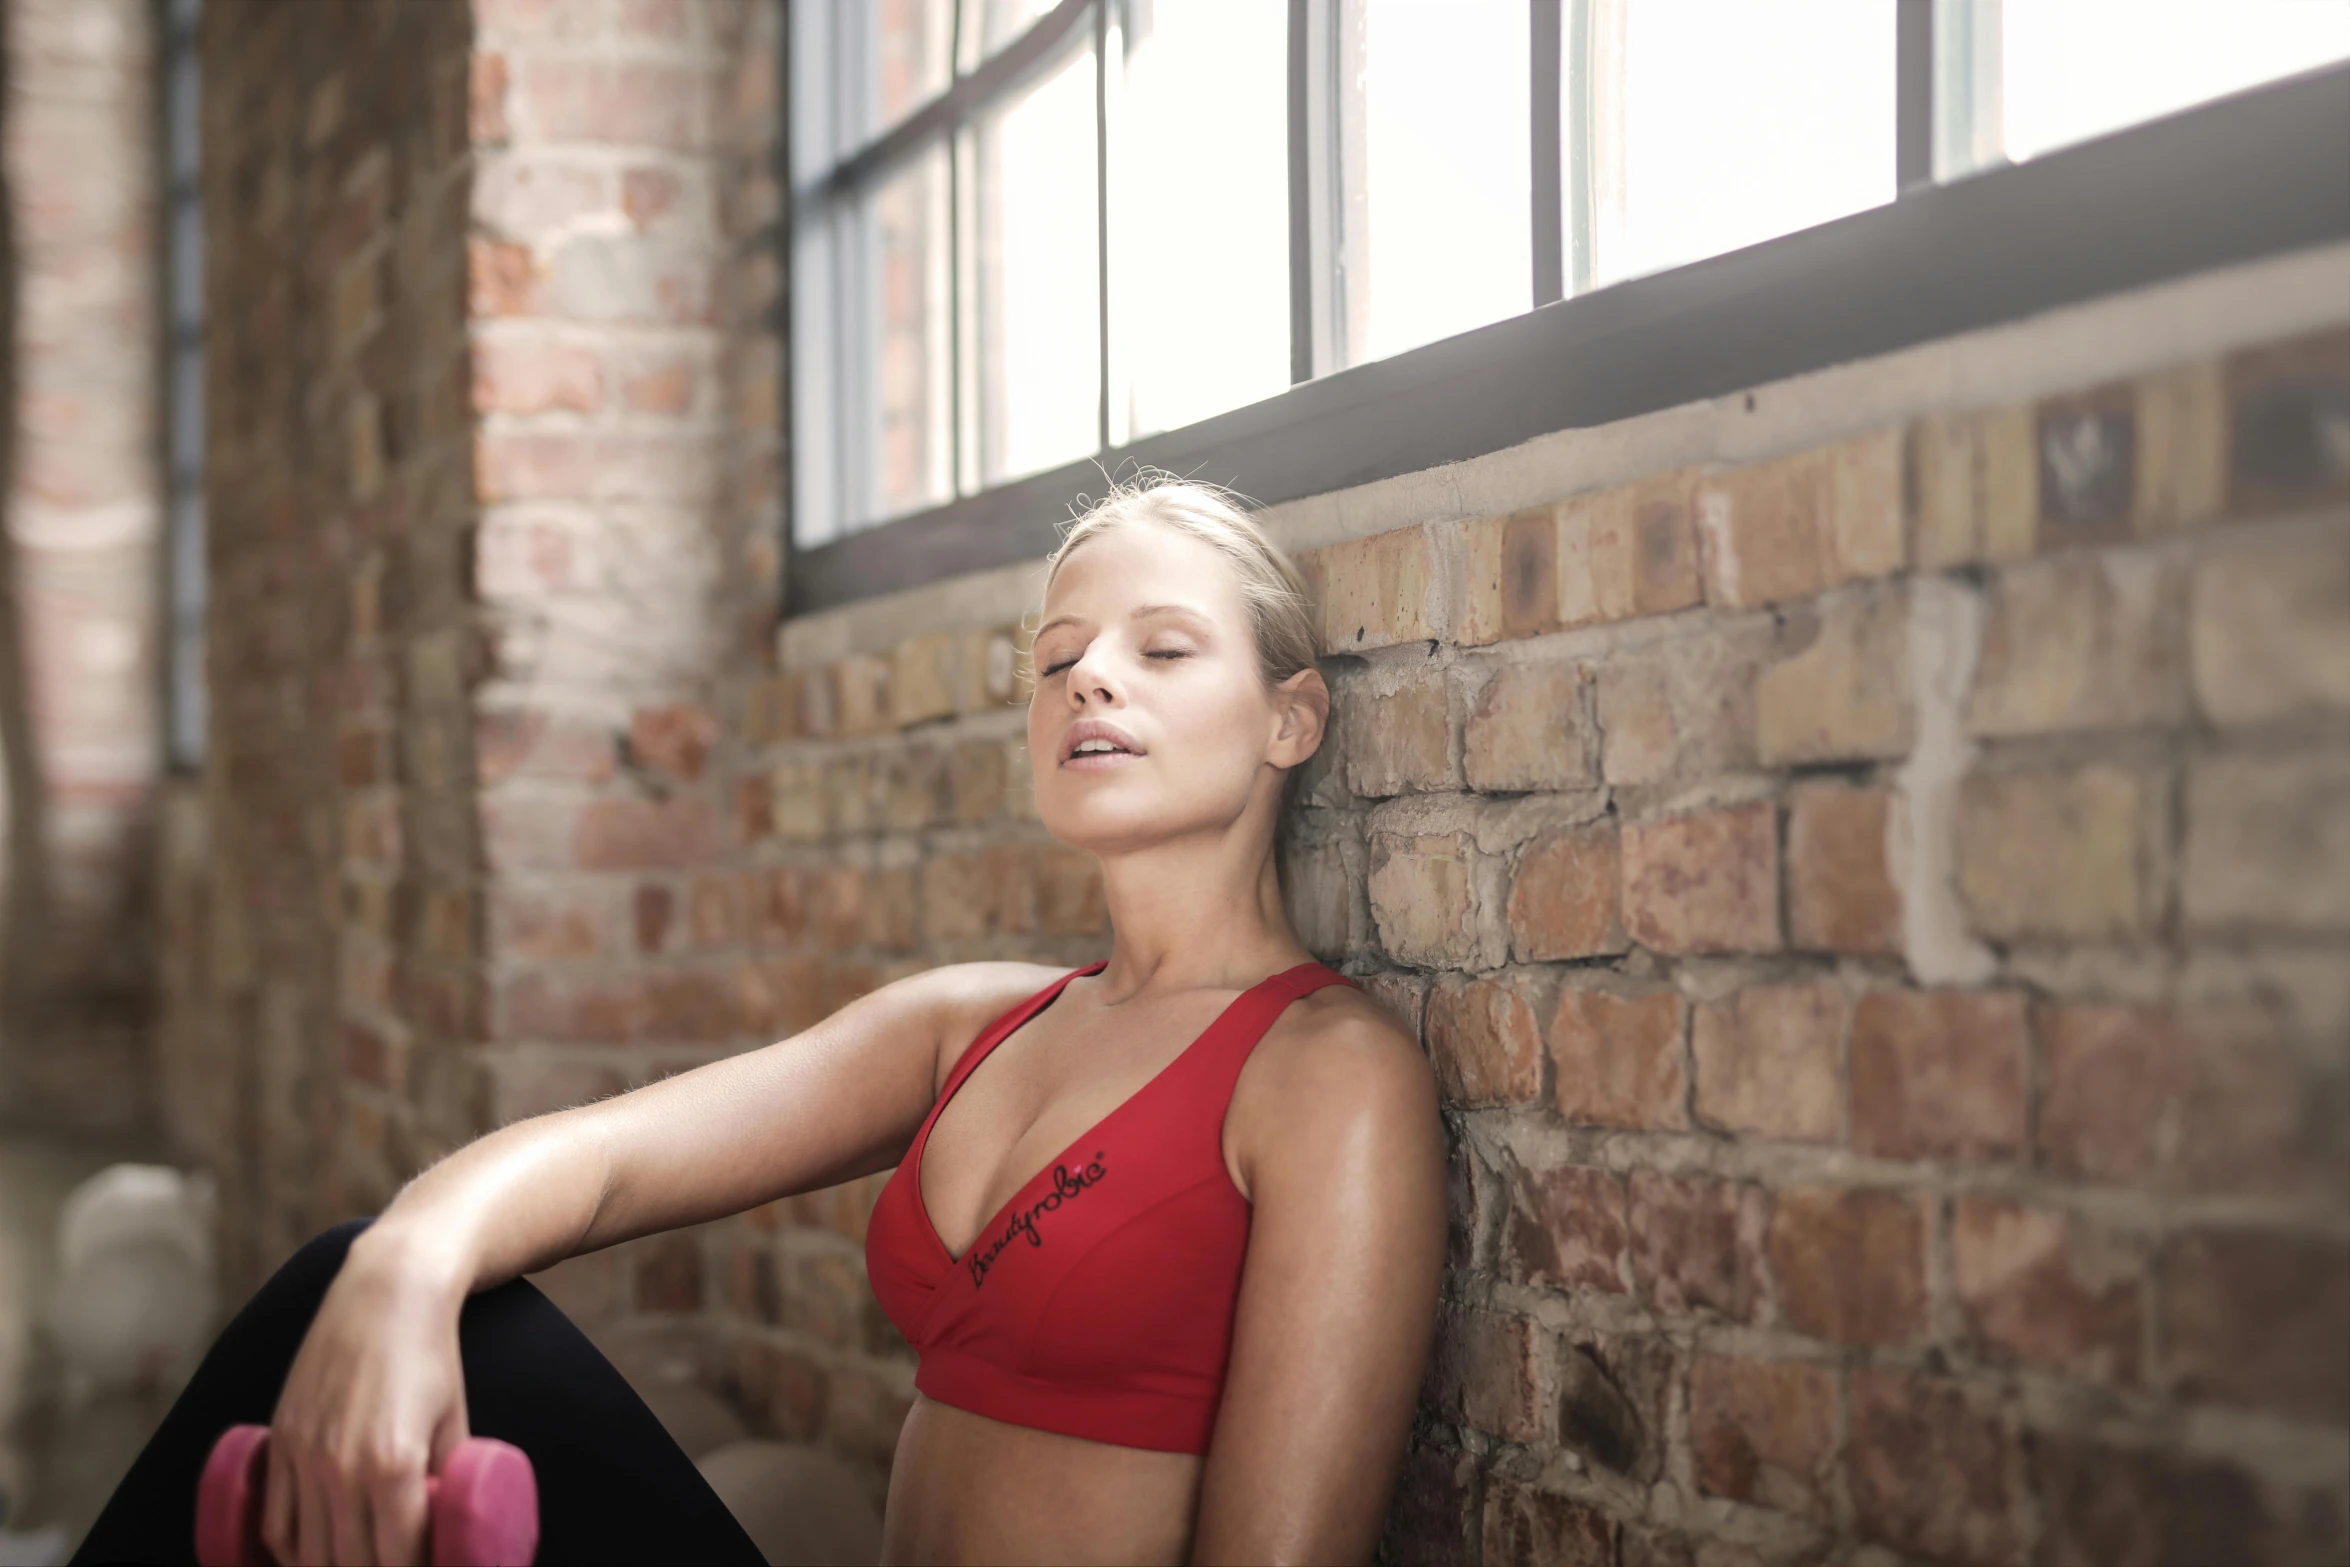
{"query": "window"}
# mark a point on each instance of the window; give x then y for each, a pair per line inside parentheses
(2039, 74)
(1030, 238)
(183, 396)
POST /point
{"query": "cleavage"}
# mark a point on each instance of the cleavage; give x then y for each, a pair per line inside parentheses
(1038, 1094)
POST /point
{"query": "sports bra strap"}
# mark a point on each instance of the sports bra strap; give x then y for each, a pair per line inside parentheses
(1245, 1024)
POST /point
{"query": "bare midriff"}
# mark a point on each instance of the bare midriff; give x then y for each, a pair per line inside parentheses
(964, 1488)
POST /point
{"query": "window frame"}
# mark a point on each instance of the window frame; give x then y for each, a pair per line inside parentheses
(179, 277)
(2225, 181)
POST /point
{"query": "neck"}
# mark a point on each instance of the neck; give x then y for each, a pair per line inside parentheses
(1198, 912)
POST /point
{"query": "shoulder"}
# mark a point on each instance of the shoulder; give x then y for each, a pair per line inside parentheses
(1334, 1069)
(957, 1001)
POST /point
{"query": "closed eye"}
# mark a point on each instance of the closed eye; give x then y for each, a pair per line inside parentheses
(1054, 669)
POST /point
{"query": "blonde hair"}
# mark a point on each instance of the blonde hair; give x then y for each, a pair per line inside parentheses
(1280, 610)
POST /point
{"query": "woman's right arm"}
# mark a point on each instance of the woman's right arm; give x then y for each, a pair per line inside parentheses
(375, 1398)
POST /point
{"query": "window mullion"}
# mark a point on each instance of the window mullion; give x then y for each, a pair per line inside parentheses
(1101, 213)
(1543, 105)
(1914, 84)
(1301, 196)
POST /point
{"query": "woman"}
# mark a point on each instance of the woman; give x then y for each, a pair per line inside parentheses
(1165, 1232)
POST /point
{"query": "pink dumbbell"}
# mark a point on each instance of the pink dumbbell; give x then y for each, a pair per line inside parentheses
(484, 1504)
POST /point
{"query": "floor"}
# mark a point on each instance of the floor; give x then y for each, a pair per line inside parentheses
(57, 1468)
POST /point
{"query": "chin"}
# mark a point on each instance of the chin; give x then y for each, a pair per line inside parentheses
(1121, 821)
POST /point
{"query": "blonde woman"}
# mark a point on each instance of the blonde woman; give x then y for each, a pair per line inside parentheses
(1164, 1231)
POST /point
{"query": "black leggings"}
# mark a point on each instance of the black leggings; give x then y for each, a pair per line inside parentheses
(613, 1486)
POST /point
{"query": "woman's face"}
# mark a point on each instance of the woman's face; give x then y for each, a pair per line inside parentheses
(1149, 718)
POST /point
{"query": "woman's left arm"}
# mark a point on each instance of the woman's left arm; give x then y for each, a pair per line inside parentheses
(1344, 1157)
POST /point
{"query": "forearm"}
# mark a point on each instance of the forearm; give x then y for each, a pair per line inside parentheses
(513, 1202)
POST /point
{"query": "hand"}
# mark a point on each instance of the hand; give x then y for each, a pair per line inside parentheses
(374, 1401)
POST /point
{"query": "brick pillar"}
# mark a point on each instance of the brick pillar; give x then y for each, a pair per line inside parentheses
(82, 529)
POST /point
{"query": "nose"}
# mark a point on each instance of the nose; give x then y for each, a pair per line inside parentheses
(1090, 680)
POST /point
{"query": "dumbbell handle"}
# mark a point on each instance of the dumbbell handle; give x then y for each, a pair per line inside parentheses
(483, 1505)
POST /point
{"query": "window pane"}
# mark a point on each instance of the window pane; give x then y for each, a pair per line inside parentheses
(1715, 124)
(1434, 227)
(1199, 208)
(904, 435)
(905, 45)
(1038, 273)
(988, 25)
(2079, 68)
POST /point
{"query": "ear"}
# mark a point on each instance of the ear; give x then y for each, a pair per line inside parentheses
(1302, 704)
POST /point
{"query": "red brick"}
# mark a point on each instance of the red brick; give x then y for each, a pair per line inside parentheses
(531, 375)
(1070, 899)
(1840, 893)
(1770, 1061)
(976, 781)
(784, 1390)
(2177, 1101)
(2046, 1289)
(754, 808)
(1697, 1244)
(840, 907)
(668, 390)
(2284, 446)
(1512, 577)
(1375, 592)
(645, 104)
(1482, 1373)
(1484, 1040)
(648, 193)
(1408, 748)
(373, 1057)
(892, 904)
(1530, 730)
(673, 740)
(637, 834)
(502, 279)
(2104, 1506)
(1566, 1228)
(654, 905)
(1429, 1517)
(547, 921)
(1421, 897)
(1566, 898)
(1614, 1398)
(525, 743)
(1617, 1059)
(486, 100)
(525, 465)
(780, 996)
(2257, 1319)
(537, 1083)
(1763, 1432)
(1529, 1528)
(1929, 1468)
(779, 903)
(669, 1274)
(1705, 882)
(1850, 1264)
(1938, 1074)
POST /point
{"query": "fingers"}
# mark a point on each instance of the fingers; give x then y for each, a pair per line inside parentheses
(313, 1515)
(349, 1527)
(278, 1499)
(397, 1506)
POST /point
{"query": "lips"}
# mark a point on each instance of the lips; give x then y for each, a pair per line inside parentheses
(1086, 729)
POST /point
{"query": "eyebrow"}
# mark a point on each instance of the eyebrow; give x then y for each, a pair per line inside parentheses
(1140, 610)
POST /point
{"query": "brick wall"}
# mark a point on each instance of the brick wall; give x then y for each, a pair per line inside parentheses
(1871, 890)
(78, 596)
(1877, 915)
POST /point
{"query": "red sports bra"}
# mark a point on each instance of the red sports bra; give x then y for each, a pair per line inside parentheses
(1097, 1301)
